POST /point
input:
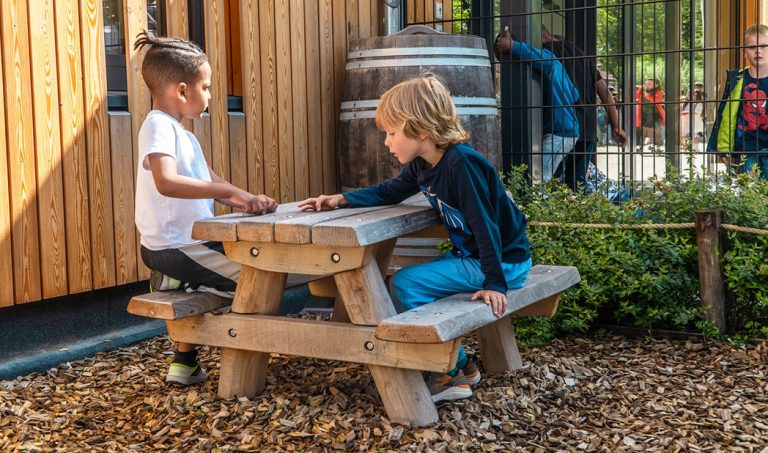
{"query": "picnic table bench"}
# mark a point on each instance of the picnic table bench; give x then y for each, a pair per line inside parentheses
(349, 249)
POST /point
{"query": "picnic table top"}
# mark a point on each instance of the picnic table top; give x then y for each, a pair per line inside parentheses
(347, 227)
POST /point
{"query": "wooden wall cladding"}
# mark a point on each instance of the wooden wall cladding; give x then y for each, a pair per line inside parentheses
(68, 165)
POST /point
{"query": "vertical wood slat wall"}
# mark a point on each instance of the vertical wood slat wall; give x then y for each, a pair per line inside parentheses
(425, 12)
(68, 166)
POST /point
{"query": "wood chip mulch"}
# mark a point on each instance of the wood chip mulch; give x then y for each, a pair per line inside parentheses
(601, 393)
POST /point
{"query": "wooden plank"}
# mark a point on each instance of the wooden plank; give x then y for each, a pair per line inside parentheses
(711, 282)
(139, 105)
(238, 153)
(299, 79)
(447, 16)
(234, 45)
(340, 25)
(374, 226)
(97, 142)
(403, 392)
(6, 220)
(456, 315)
(376, 11)
(353, 20)
(283, 43)
(262, 228)
(364, 293)
(498, 347)
(410, 11)
(221, 228)
(252, 102)
(215, 44)
(21, 151)
(364, 18)
(324, 287)
(299, 228)
(308, 338)
(228, 39)
(202, 130)
(47, 131)
(269, 99)
(243, 373)
(177, 18)
(328, 97)
(296, 259)
(127, 251)
(74, 164)
(175, 304)
(545, 307)
(314, 106)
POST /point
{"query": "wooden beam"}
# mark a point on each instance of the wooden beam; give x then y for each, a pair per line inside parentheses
(179, 304)
(6, 219)
(243, 373)
(318, 339)
(373, 227)
(296, 259)
(250, 58)
(455, 316)
(498, 347)
(127, 248)
(324, 287)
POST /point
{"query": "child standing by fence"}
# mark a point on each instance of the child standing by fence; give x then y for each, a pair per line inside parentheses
(490, 250)
(741, 124)
(175, 187)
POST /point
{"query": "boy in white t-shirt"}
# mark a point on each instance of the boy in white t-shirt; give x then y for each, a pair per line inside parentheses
(175, 187)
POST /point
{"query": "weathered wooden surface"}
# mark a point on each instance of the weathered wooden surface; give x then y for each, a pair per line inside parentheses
(175, 304)
(456, 315)
(711, 279)
(309, 338)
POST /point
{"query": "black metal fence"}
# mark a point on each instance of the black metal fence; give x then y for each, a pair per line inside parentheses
(661, 62)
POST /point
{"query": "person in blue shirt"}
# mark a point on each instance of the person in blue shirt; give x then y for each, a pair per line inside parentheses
(559, 96)
(490, 252)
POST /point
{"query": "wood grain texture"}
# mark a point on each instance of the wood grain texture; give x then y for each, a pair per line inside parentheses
(127, 252)
(21, 151)
(374, 226)
(455, 316)
(498, 347)
(175, 304)
(299, 228)
(50, 185)
(139, 105)
(235, 73)
(216, 49)
(269, 100)
(6, 220)
(283, 44)
(177, 25)
(202, 129)
(238, 153)
(364, 18)
(313, 105)
(243, 372)
(296, 259)
(308, 338)
(364, 293)
(220, 228)
(73, 146)
(299, 79)
(97, 143)
(250, 44)
(328, 97)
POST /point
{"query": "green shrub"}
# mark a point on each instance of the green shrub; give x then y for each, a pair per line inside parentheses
(646, 277)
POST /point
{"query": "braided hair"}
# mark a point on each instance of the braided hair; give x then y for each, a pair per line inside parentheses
(168, 60)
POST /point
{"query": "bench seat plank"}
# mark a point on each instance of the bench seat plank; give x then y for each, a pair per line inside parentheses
(455, 316)
(175, 304)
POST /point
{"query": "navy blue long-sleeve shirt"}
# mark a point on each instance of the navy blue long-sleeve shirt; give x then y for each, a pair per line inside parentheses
(465, 190)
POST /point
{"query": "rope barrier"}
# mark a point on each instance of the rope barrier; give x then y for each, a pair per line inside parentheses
(641, 226)
(609, 226)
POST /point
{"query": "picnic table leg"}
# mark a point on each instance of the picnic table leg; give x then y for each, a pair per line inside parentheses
(498, 347)
(243, 372)
(404, 394)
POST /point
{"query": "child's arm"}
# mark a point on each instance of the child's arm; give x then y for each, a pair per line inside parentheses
(391, 191)
(541, 59)
(171, 184)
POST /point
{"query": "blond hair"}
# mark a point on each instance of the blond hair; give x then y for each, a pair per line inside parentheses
(755, 30)
(421, 105)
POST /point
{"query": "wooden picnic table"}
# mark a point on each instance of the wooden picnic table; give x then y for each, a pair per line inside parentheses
(353, 246)
(350, 249)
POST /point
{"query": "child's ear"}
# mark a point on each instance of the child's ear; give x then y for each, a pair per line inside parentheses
(181, 91)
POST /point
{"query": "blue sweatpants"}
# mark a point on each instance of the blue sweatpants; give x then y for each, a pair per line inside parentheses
(421, 284)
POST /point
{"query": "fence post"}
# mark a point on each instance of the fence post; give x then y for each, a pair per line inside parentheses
(710, 275)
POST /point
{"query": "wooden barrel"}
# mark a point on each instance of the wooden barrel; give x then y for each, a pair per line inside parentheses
(376, 64)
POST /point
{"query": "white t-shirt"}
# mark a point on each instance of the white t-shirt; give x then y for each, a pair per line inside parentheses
(166, 222)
